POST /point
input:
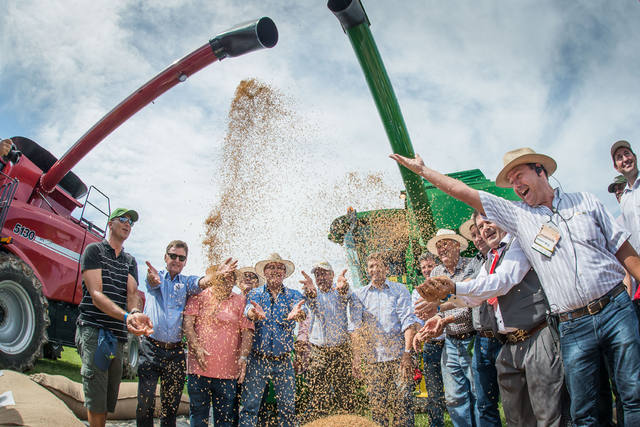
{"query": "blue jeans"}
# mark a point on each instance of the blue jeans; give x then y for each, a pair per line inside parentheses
(613, 332)
(431, 355)
(204, 391)
(485, 353)
(459, 387)
(281, 372)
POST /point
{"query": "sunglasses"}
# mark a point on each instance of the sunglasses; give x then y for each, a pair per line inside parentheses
(182, 258)
(124, 220)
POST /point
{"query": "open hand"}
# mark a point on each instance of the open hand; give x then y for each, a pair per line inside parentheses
(297, 313)
(256, 312)
(153, 278)
(342, 285)
(425, 310)
(229, 265)
(5, 146)
(139, 324)
(432, 327)
(415, 165)
(307, 286)
(436, 288)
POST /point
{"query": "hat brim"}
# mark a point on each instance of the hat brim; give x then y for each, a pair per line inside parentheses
(288, 264)
(431, 244)
(240, 272)
(465, 229)
(546, 161)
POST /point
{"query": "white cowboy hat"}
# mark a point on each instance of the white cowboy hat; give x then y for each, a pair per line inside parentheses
(465, 229)
(240, 274)
(274, 257)
(522, 156)
(324, 265)
(444, 234)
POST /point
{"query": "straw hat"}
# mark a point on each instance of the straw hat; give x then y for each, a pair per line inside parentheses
(522, 156)
(324, 265)
(274, 257)
(240, 274)
(465, 229)
(444, 234)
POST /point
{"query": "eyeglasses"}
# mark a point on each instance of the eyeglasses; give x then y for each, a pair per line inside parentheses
(182, 258)
(124, 220)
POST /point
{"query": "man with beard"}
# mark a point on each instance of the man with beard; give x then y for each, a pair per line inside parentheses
(580, 254)
(275, 309)
(329, 374)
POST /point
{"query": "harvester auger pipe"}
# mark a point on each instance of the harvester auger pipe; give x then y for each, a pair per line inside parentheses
(355, 24)
(241, 39)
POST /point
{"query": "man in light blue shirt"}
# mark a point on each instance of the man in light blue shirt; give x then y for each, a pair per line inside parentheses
(384, 330)
(329, 375)
(162, 353)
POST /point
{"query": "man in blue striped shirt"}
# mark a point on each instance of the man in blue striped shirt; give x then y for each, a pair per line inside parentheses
(580, 254)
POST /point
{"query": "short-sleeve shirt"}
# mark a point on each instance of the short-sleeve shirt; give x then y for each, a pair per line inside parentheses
(218, 326)
(583, 266)
(463, 323)
(630, 208)
(115, 273)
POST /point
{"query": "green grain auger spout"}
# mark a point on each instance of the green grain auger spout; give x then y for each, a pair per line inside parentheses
(355, 24)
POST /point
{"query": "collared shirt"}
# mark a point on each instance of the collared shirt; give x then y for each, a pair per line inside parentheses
(630, 208)
(328, 317)
(386, 313)
(165, 303)
(583, 266)
(463, 322)
(475, 265)
(115, 274)
(512, 269)
(274, 335)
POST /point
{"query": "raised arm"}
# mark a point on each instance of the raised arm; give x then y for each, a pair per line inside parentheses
(453, 187)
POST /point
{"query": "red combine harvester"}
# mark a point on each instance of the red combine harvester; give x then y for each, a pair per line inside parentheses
(41, 241)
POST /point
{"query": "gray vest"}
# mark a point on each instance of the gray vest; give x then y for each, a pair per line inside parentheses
(525, 305)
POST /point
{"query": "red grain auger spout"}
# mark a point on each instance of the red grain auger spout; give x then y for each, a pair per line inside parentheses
(236, 41)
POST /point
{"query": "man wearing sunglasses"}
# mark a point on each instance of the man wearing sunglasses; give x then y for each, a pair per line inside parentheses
(162, 353)
(109, 307)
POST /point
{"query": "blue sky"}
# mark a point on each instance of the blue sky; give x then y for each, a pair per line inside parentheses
(474, 79)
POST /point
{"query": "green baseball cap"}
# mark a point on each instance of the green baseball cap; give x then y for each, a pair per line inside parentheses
(620, 179)
(122, 212)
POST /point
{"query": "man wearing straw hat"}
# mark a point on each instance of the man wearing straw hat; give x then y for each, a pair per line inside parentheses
(248, 279)
(457, 375)
(275, 309)
(580, 254)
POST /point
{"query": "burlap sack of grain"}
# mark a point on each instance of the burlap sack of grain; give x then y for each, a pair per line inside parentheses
(71, 393)
(342, 421)
(34, 404)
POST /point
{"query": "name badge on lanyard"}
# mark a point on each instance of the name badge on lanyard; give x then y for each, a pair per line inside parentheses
(546, 240)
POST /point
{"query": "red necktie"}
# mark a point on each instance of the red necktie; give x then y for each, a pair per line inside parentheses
(494, 301)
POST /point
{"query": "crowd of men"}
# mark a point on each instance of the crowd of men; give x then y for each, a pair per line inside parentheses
(541, 319)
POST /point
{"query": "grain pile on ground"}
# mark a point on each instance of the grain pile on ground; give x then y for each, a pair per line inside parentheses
(342, 421)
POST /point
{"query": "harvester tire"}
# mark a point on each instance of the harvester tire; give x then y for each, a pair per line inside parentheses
(23, 315)
(131, 357)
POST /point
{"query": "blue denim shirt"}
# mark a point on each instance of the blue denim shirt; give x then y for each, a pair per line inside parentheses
(165, 303)
(387, 312)
(274, 335)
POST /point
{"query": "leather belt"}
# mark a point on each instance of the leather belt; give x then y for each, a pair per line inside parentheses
(487, 333)
(522, 335)
(462, 336)
(165, 345)
(594, 306)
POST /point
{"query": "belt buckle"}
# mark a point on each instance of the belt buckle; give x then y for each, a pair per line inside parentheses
(519, 335)
(596, 306)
